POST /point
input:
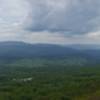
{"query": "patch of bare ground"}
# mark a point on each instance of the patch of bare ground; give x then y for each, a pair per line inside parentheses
(94, 98)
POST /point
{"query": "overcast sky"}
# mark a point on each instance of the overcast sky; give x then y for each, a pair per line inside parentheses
(50, 21)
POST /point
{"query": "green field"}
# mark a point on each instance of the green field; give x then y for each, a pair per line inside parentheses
(43, 79)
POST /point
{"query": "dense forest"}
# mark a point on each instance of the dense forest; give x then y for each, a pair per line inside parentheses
(45, 79)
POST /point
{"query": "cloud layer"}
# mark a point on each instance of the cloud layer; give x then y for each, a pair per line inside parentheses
(74, 16)
(12, 14)
(50, 21)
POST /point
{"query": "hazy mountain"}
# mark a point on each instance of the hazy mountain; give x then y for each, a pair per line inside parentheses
(86, 46)
(21, 50)
(17, 50)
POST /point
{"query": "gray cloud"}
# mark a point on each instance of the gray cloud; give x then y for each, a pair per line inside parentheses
(13, 13)
(74, 16)
(50, 21)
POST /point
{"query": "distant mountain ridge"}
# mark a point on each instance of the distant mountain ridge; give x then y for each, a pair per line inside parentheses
(20, 50)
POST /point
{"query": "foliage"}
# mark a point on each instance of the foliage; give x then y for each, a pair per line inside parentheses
(45, 79)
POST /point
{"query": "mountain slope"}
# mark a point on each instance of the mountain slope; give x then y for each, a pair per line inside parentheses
(20, 50)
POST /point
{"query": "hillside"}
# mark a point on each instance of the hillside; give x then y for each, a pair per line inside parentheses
(20, 50)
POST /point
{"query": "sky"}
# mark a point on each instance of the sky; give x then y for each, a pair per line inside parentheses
(50, 21)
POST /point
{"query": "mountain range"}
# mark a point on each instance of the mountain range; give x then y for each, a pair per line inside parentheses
(21, 50)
